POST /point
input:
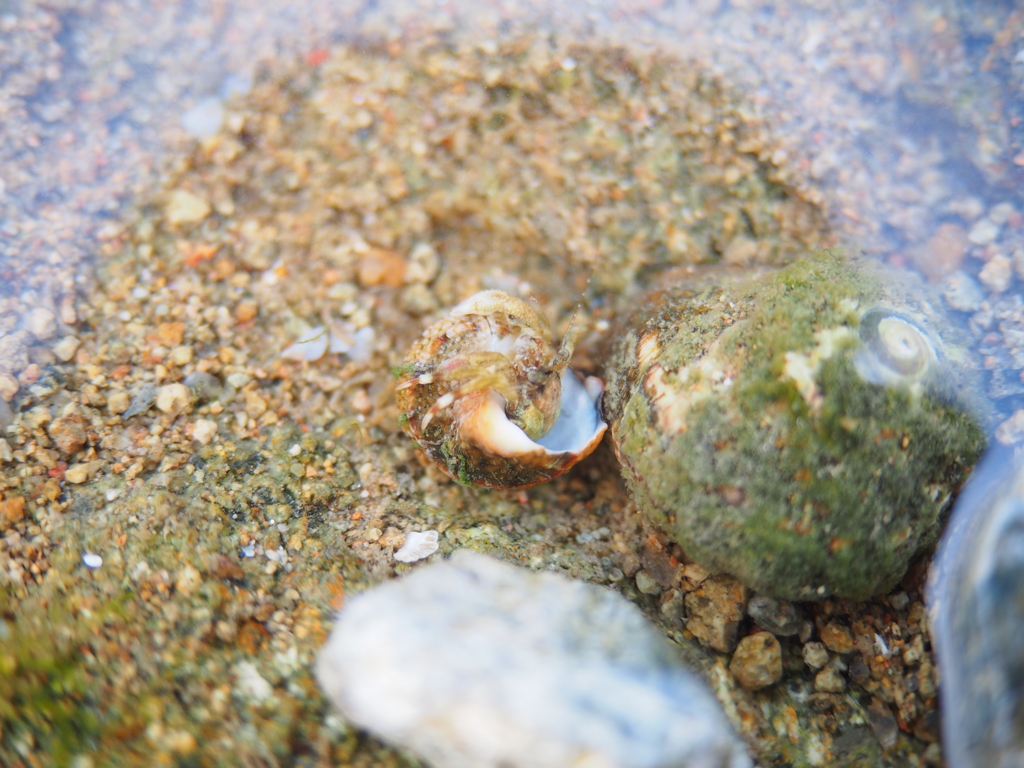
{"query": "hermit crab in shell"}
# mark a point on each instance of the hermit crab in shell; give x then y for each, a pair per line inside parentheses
(492, 400)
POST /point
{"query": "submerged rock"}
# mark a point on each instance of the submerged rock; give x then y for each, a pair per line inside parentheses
(976, 605)
(473, 662)
(778, 617)
(803, 431)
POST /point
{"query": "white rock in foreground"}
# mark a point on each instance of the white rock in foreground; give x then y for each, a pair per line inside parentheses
(474, 663)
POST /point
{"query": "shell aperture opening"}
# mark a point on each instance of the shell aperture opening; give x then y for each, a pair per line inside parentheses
(578, 423)
(580, 419)
(491, 402)
(489, 427)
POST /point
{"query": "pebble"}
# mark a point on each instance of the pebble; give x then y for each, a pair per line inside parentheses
(479, 664)
(837, 638)
(741, 250)
(899, 600)
(65, 348)
(943, 253)
(41, 323)
(830, 679)
(883, 724)
(997, 273)
(418, 299)
(12, 510)
(422, 265)
(815, 655)
(239, 379)
(118, 402)
(70, 433)
(777, 616)
(180, 356)
(962, 292)
(142, 401)
(1011, 431)
(859, 670)
(983, 317)
(6, 418)
(255, 405)
(186, 208)
(646, 584)
(173, 398)
(204, 431)
(77, 473)
(968, 208)
(1018, 262)
(9, 386)
(203, 386)
(983, 232)
(715, 610)
(757, 662)
(204, 119)
(189, 580)
(418, 545)
(1001, 213)
(379, 266)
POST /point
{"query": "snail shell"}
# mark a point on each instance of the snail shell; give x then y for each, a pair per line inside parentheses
(896, 350)
(803, 431)
(492, 401)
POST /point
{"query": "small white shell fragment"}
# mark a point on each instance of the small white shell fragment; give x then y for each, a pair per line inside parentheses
(342, 338)
(310, 346)
(882, 646)
(92, 560)
(362, 348)
(418, 545)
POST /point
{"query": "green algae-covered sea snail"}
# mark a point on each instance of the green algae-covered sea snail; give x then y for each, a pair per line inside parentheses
(804, 431)
(492, 401)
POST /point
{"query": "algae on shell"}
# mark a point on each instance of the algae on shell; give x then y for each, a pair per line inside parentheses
(753, 423)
